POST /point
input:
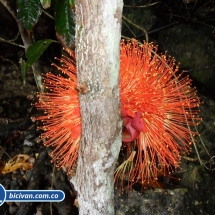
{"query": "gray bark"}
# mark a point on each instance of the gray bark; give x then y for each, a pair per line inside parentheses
(98, 31)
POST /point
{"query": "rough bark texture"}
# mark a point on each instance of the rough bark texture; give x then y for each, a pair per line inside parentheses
(98, 27)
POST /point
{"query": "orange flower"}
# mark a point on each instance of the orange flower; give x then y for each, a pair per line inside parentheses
(166, 106)
(158, 108)
(61, 119)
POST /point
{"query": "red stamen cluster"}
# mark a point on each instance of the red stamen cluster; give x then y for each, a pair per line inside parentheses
(150, 85)
(61, 119)
(158, 108)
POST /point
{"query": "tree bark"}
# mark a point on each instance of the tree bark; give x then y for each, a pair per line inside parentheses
(98, 32)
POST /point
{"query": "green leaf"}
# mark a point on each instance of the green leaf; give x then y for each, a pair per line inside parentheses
(45, 3)
(35, 51)
(65, 22)
(29, 12)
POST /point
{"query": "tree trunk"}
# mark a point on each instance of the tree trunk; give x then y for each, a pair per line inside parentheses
(98, 32)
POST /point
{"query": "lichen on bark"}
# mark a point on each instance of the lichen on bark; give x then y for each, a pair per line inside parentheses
(98, 28)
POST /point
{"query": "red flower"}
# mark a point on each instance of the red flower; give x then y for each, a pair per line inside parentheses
(166, 107)
(158, 108)
(61, 119)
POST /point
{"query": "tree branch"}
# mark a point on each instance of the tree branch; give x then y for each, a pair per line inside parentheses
(27, 41)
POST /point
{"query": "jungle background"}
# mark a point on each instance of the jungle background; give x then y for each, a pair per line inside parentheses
(183, 28)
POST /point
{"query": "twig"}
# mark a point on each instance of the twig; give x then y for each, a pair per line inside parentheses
(10, 61)
(148, 5)
(15, 37)
(5, 152)
(47, 14)
(158, 29)
(137, 26)
(129, 28)
(197, 69)
(52, 186)
(12, 43)
(127, 38)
